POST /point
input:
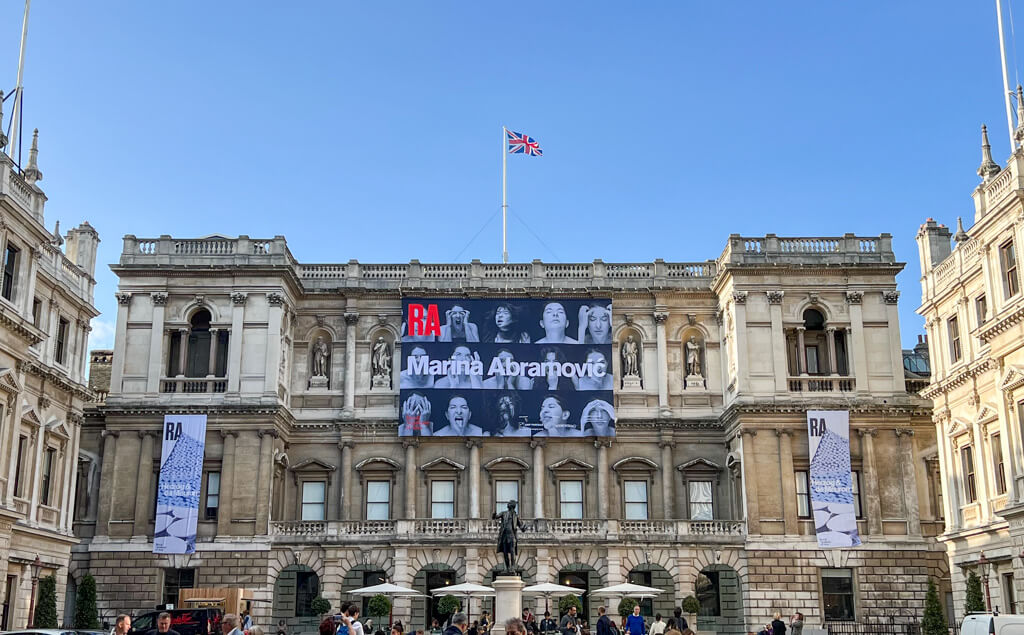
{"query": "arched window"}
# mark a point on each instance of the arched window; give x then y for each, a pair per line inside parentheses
(199, 351)
(815, 347)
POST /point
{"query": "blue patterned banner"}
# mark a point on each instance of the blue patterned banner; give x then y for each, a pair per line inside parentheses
(181, 477)
(831, 486)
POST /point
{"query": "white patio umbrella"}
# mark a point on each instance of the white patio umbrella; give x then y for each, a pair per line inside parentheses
(467, 590)
(549, 590)
(629, 590)
(386, 589)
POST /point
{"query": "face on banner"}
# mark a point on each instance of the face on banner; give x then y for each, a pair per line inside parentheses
(831, 478)
(506, 368)
(178, 489)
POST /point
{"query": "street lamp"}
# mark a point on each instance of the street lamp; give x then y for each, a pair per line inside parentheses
(36, 565)
(983, 564)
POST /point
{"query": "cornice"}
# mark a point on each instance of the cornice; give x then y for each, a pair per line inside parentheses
(988, 331)
(945, 385)
(35, 368)
(19, 326)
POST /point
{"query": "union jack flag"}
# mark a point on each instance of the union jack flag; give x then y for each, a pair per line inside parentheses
(519, 143)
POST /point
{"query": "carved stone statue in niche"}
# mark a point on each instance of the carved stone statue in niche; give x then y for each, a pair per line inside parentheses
(321, 364)
(380, 364)
(694, 367)
(631, 374)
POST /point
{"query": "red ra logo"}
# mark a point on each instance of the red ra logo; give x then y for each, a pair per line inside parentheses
(424, 322)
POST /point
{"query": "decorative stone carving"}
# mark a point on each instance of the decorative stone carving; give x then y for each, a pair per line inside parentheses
(321, 369)
(660, 317)
(813, 298)
(739, 297)
(321, 320)
(382, 319)
(631, 373)
(238, 298)
(691, 319)
(275, 299)
(158, 298)
(694, 363)
(44, 402)
(775, 296)
(380, 364)
(891, 297)
(854, 297)
(351, 318)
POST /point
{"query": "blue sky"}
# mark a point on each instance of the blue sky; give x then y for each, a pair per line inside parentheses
(372, 130)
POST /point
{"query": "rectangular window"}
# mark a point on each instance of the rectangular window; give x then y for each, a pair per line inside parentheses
(174, 581)
(953, 326)
(570, 499)
(803, 495)
(37, 310)
(174, 355)
(47, 476)
(10, 272)
(212, 495)
(701, 500)
(837, 592)
(1009, 596)
(307, 589)
(19, 467)
(378, 500)
(1008, 266)
(812, 360)
(505, 491)
(635, 495)
(314, 500)
(995, 441)
(857, 510)
(981, 309)
(61, 350)
(967, 465)
(442, 499)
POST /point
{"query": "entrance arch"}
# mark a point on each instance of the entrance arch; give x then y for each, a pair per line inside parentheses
(295, 589)
(431, 576)
(656, 576)
(717, 588)
(586, 579)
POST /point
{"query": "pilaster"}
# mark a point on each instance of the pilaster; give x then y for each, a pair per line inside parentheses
(873, 509)
(156, 342)
(143, 500)
(227, 483)
(351, 321)
(538, 477)
(788, 479)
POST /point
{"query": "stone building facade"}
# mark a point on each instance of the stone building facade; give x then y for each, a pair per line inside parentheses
(295, 468)
(974, 311)
(46, 304)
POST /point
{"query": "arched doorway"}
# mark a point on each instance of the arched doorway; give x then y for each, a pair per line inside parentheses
(294, 591)
(432, 576)
(653, 575)
(360, 576)
(717, 588)
(584, 578)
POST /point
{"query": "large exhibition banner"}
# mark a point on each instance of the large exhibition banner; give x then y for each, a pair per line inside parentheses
(181, 477)
(831, 479)
(506, 368)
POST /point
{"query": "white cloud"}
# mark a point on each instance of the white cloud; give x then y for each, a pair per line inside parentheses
(102, 336)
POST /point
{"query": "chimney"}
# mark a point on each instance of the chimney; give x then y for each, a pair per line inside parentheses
(933, 244)
(81, 245)
(101, 363)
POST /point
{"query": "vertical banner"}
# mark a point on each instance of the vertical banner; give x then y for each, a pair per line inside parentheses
(831, 480)
(181, 477)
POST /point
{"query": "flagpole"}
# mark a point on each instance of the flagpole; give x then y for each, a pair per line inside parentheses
(504, 195)
(1006, 82)
(16, 114)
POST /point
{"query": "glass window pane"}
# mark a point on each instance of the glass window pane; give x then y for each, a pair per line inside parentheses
(377, 511)
(635, 491)
(837, 592)
(378, 492)
(313, 492)
(572, 491)
(505, 491)
(442, 491)
(213, 484)
(636, 511)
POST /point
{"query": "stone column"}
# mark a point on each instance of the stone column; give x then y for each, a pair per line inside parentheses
(265, 483)
(668, 476)
(347, 475)
(227, 483)
(860, 352)
(778, 340)
(660, 317)
(742, 367)
(235, 341)
(182, 351)
(892, 315)
(986, 268)
(33, 255)
(351, 320)
(981, 472)
(750, 476)
(801, 352)
(156, 343)
(13, 428)
(404, 576)
(602, 446)
(274, 352)
(120, 340)
(946, 477)
(38, 441)
(474, 477)
(788, 478)
(143, 502)
(410, 477)
(873, 509)
(905, 439)
(1010, 439)
(106, 494)
(211, 368)
(538, 477)
(833, 364)
(67, 510)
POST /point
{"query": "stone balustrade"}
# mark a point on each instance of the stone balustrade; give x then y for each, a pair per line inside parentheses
(847, 249)
(539, 531)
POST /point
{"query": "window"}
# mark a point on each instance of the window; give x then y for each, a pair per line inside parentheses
(442, 499)
(307, 589)
(803, 495)
(706, 590)
(701, 500)
(505, 491)
(635, 494)
(61, 350)
(37, 310)
(19, 467)
(643, 578)
(314, 500)
(967, 465)
(10, 271)
(812, 360)
(212, 495)
(1007, 264)
(953, 325)
(1009, 596)
(837, 589)
(981, 308)
(47, 476)
(997, 462)
(175, 580)
(378, 500)
(371, 578)
(197, 364)
(855, 484)
(570, 498)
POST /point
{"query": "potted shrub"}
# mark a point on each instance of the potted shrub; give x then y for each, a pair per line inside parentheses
(320, 606)
(626, 607)
(691, 606)
(567, 601)
(448, 605)
(379, 606)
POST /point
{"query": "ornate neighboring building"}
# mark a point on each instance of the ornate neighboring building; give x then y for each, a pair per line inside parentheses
(308, 490)
(46, 304)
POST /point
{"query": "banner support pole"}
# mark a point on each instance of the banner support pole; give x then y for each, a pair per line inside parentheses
(504, 196)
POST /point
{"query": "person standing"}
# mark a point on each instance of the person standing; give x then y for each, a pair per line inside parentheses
(246, 621)
(604, 624)
(657, 626)
(228, 624)
(568, 623)
(355, 627)
(122, 625)
(163, 625)
(515, 626)
(796, 624)
(635, 622)
(778, 626)
(459, 625)
(548, 624)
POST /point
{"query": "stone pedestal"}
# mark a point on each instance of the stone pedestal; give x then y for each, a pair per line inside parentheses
(382, 382)
(508, 601)
(631, 382)
(694, 381)
(318, 382)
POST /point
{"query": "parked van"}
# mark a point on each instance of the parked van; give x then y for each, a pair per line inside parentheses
(989, 624)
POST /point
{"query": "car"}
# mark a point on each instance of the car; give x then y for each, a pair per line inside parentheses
(992, 624)
(201, 621)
